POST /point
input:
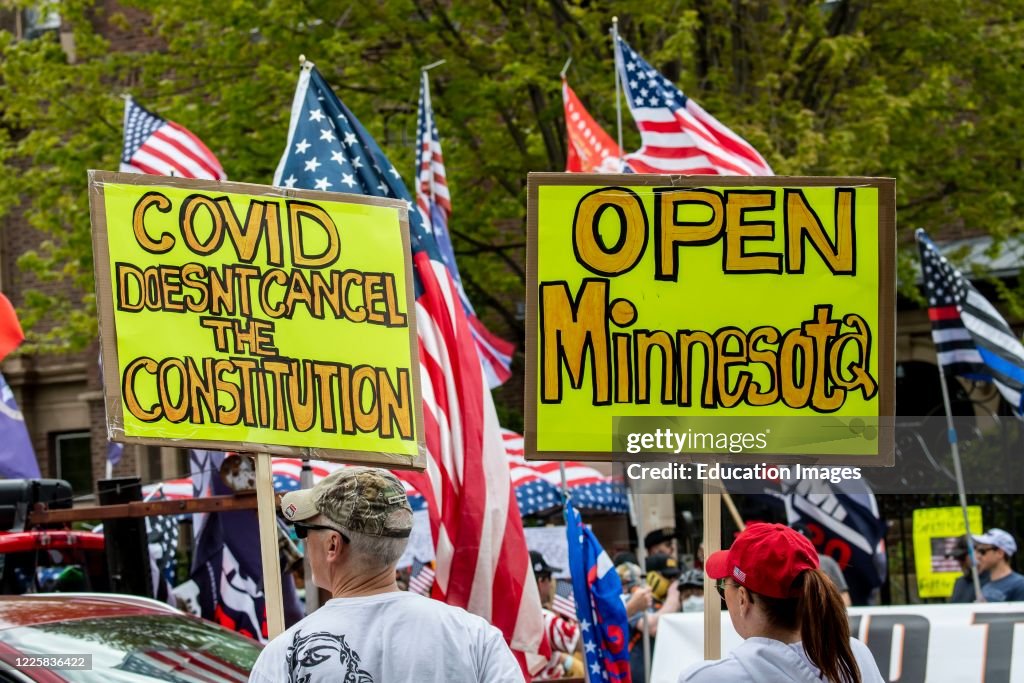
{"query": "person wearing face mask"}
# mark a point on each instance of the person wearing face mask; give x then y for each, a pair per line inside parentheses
(691, 591)
(788, 612)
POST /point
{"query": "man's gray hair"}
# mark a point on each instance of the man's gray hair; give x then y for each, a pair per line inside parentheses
(375, 553)
(371, 553)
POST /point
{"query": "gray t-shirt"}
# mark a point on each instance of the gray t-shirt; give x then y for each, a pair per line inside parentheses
(963, 587)
(394, 636)
(1010, 588)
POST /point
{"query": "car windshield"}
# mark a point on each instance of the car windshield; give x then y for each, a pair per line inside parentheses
(144, 648)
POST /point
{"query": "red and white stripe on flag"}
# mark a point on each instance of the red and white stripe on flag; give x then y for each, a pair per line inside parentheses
(676, 134)
(481, 559)
(590, 150)
(423, 582)
(156, 146)
(689, 140)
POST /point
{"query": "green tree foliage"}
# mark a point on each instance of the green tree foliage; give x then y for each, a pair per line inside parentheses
(924, 91)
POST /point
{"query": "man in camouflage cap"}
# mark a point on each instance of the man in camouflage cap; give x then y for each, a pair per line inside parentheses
(361, 499)
(354, 525)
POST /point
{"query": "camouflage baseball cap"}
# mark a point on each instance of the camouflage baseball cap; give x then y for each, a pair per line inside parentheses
(361, 499)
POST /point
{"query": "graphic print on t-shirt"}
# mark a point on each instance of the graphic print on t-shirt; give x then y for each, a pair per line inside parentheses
(308, 652)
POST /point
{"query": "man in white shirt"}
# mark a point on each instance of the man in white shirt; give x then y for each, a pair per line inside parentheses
(355, 524)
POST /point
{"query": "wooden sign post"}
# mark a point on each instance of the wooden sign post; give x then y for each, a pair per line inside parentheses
(712, 543)
(267, 513)
(257, 319)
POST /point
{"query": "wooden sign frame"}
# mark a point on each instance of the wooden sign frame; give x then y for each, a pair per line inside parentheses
(884, 339)
(108, 332)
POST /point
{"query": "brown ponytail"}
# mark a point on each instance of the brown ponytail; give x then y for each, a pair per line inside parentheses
(824, 628)
(820, 615)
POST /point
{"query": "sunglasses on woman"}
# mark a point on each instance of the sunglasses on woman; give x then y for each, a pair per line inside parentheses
(302, 530)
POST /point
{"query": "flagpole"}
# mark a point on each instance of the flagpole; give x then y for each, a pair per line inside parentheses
(978, 597)
(266, 509)
(618, 77)
(637, 517)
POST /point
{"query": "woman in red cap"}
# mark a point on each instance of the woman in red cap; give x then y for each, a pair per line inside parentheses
(788, 612)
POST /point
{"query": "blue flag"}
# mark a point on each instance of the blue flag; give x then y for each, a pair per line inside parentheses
(599, 607)
(17, 457)
(845, 524)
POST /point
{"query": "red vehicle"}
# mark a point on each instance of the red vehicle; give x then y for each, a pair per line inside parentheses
(115, 639)
(36, 559)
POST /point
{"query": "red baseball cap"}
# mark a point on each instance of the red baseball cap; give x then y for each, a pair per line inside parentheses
(766, 558)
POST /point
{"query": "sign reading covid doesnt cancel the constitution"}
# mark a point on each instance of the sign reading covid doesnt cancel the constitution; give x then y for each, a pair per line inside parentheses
(255, 318)
(700, 315)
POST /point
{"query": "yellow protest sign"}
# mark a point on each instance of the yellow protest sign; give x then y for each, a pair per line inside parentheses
(253, 318)
(936, 531)
(656, 303)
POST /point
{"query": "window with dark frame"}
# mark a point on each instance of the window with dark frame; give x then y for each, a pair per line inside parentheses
(72, 455)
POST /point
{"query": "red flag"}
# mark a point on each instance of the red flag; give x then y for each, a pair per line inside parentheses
(10, 329)
(591, 150)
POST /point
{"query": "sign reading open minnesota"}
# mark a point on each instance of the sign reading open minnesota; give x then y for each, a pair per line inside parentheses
(255, 318)
(675, 317)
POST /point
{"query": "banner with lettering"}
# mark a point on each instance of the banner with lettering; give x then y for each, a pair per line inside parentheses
(245, 317)
(910, 643)
(936, 532)
(690, 315)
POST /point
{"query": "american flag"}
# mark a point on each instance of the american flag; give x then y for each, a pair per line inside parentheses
(162, 538)
(434, 203)
(538, 483)
(286, 474)
(422, 579)
(482, 561)
(563, 602)
(564, 636)
(158, 147)
(676, 134)
(590, 149)
(970, 335)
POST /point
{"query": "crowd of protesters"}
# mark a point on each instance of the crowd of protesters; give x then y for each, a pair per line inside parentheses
(784, 599)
